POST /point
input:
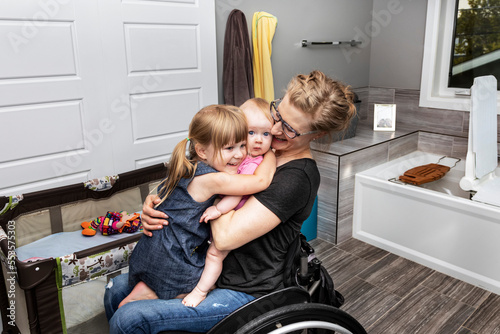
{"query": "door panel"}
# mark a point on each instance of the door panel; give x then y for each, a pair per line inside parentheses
(93, 88)
(169, 73)
(47, 111)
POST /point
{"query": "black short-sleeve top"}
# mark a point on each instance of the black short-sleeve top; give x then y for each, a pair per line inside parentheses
(257, 267)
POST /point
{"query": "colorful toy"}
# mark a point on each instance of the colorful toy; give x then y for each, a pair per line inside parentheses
(113, 223)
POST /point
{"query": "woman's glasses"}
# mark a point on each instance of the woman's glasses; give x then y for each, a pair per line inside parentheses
(287, 129)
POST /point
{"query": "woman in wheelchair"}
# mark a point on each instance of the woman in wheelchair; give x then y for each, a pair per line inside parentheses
(258, 234)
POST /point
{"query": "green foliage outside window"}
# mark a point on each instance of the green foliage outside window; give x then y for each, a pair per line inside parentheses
(476, 49)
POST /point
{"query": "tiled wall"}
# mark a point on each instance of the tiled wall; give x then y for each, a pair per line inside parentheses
(443, 144)
(410, 115)
(328, 166)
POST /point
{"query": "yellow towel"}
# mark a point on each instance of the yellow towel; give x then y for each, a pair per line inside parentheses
(263, 26)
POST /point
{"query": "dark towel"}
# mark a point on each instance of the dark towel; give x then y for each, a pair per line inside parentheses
(237, 75)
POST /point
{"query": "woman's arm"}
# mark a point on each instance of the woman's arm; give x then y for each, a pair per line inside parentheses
(237, 228)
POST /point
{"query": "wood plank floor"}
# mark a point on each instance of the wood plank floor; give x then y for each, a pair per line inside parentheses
(389, 294)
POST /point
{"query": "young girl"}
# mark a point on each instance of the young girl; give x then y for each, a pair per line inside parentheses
(176, 254)
(259, 140)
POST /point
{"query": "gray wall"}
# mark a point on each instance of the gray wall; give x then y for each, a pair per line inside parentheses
(397, 43)
(314, 20)
(392, 32)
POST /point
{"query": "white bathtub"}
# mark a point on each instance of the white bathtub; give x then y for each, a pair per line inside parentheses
(435, 224)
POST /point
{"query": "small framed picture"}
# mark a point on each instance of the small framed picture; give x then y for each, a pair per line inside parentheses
(384, 117)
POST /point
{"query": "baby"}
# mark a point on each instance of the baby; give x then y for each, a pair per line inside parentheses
(259, 121)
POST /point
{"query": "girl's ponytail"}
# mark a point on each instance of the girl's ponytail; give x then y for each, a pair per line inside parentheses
(179, 166)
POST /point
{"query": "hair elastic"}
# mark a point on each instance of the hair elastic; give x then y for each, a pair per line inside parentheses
(188, 139)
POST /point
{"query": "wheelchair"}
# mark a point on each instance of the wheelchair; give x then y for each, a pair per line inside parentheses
(289, 310)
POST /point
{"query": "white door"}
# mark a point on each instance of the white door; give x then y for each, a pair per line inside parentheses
(48, 94)
(167, 74)
(93, 88)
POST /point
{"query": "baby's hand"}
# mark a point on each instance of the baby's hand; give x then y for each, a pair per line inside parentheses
(210, 214)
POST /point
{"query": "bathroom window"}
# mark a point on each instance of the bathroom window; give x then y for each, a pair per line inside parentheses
(476, 42)
(462, 41)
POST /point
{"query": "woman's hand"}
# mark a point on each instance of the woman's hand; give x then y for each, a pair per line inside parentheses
(152, 219)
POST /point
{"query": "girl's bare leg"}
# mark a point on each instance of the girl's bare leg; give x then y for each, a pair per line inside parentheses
(140, 292)
(211, 272)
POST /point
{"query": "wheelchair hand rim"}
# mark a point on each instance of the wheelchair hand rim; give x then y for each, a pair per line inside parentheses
(310, 325)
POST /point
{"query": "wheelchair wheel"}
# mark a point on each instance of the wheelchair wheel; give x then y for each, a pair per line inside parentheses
(303, 318)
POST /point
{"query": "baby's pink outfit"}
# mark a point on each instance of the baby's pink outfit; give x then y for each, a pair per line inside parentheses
(248, 167)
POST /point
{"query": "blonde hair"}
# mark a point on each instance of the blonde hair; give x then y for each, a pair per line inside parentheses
(329, 102)
(262, 104)
(216, 125)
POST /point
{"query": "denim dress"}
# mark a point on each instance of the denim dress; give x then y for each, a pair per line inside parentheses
(171, 261)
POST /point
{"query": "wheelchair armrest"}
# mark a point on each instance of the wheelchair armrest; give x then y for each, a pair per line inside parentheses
(259, 306)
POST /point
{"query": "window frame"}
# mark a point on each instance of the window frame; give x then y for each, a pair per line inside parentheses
(434, 91)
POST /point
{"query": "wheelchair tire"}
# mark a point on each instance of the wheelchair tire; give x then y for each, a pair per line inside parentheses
(297, 318)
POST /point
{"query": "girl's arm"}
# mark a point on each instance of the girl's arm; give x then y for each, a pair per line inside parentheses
(237, 228)
(238, 184)
(230, 185)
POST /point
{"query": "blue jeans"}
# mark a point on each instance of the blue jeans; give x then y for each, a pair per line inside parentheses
(153, 316)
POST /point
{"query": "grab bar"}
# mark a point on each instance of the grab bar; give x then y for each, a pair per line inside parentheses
(353, 42)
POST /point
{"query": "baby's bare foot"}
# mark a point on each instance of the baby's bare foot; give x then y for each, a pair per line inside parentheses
(194, 298)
